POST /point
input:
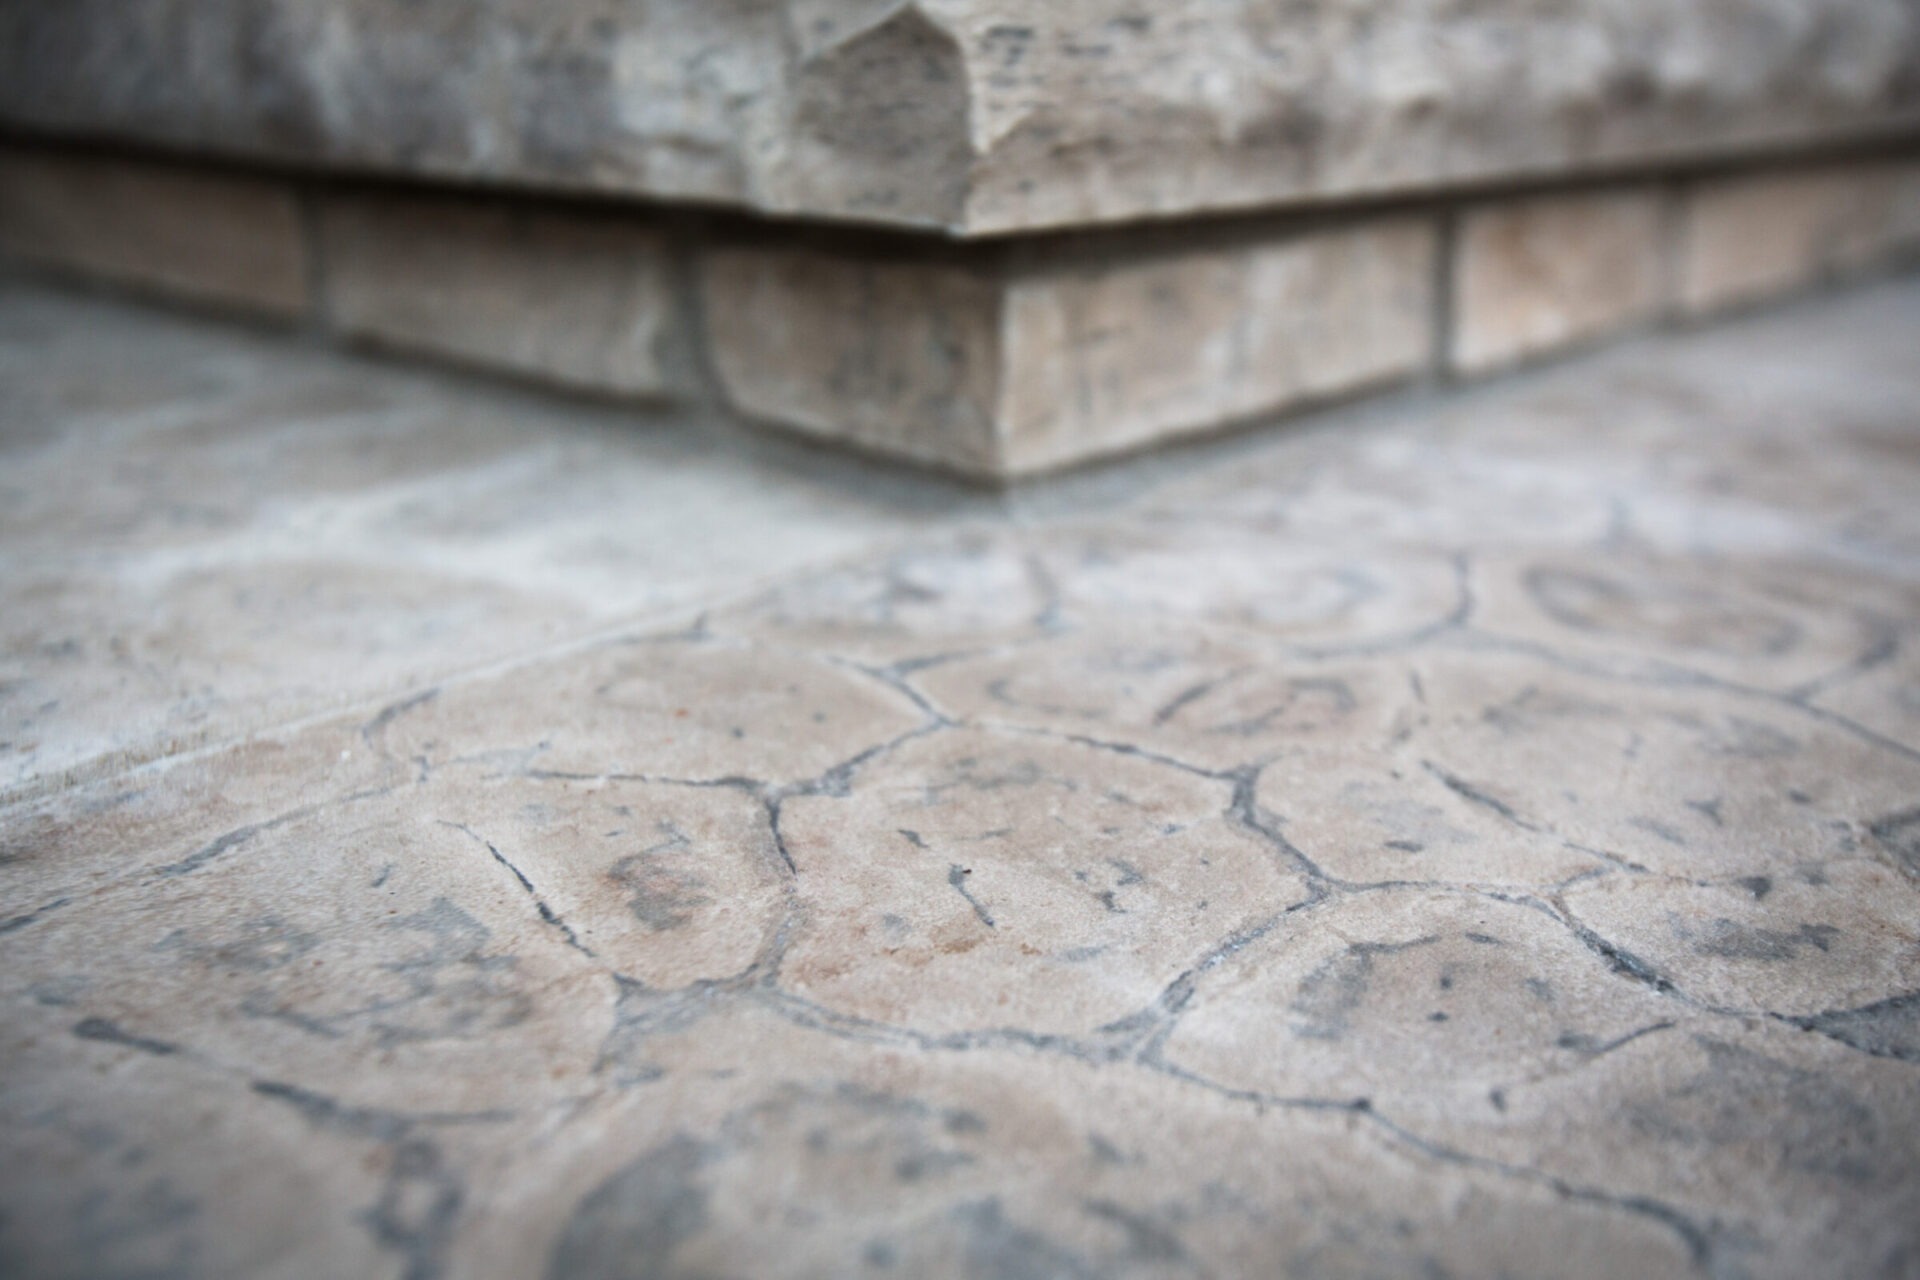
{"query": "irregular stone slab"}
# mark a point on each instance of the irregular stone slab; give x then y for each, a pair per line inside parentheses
(96, 1100)
(1753, 620)
(1824, 936)
(1369, 813)
(1885, 698)
(430, 987)
(1536, 275)
(668, 886)
(207, 533)
(1211, 701)
(1313, 595)
(969, 115)
(578, 300)
(978, 882)
(230, 242)
(240, 950)
(1785, 1148)
(934, 598)
(1004, 365)
(1686, 781)
(1419, 1001)
(627, 708)
(739, 1160)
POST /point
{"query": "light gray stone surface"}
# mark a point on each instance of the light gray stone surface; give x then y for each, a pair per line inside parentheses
(1474, 839)
(570, 298)
(968, 115)
(230, 242)
(203, 532)
(1019, 363)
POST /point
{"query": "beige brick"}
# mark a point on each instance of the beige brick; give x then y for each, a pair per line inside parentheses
(1535, 275)
(1015, 366)
(900, 357)
(1752, 237)
(230, 241)
(1118, 356)
(576, 299)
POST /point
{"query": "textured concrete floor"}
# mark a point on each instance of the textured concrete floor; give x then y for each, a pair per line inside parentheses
(447, 833)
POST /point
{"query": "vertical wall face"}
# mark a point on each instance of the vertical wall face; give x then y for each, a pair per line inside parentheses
(1749, 238)
(582, 301)
(994, 359)
(1115, 356)
(1537, 275)
(228, 242)
(900, 357)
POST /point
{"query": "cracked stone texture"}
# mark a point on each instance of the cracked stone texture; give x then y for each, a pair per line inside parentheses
(968, 115)
(448, 835)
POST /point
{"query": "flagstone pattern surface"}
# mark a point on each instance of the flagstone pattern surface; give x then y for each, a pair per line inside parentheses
(1476, 836)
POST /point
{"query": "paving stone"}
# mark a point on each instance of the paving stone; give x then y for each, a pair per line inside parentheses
(1414, 1000)
(580, 300)
(1788, 1134)
(1213, 701)
(1722, 785)
(221, 532)
(1139, 877)
(969, 115)
(227, 241)
(1841, 934)
(1751, 620)
(1002, 1162)
(1534, 275)
(972, 881)
(621, 709)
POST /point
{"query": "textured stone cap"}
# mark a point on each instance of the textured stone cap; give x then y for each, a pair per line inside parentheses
(970, 116)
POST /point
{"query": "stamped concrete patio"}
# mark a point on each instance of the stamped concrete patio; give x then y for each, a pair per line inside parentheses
(448, 832)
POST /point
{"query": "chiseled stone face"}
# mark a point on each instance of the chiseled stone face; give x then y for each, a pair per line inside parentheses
(1535, 275)
(572, 299)
(1747, 238)
(901, 356)
(1105, 357)
(970, 115)
(1012, 365)
(229, 242)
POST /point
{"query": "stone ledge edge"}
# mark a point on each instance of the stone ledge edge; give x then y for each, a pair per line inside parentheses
(992, 359)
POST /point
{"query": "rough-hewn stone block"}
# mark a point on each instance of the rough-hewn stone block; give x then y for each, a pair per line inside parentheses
(1750, 237)
(229, 241)
(581, 300)
(1534, 275)
(1012, 365)
(902, 357)
(1106, 358)
(972, 115)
